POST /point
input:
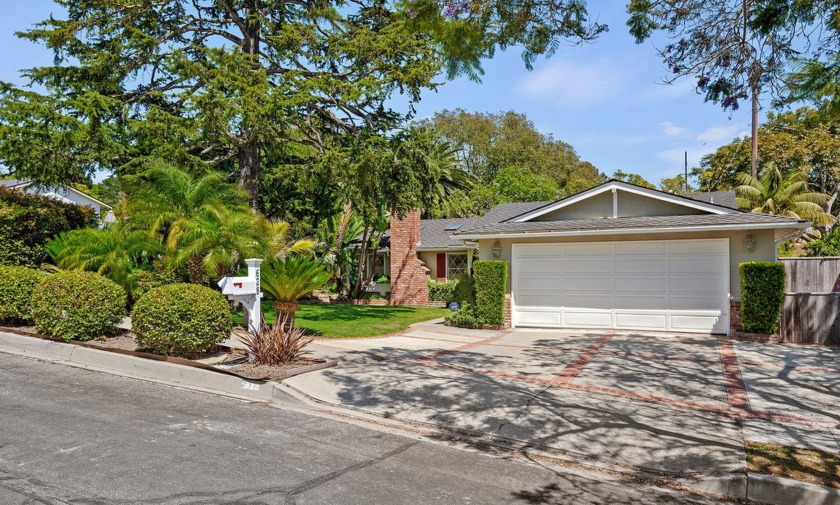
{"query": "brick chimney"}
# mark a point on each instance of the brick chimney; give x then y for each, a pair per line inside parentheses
(409, 276)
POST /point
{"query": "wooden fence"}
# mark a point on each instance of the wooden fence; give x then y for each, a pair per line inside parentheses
(811, 310)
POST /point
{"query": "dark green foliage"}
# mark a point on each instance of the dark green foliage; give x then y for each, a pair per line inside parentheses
(73, 305)
(442, 291)
(490, 282)
(181, 320)
(144, 281)
(465, 317)
(16, 287)
(27, 221)
(827, 245)
(465, 291)
(762, 294)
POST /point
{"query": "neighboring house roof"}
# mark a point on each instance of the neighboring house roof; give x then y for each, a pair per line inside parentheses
(723, 198)
(21, 184)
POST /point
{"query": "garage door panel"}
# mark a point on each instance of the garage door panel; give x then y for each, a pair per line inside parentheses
(678, 285)
(633, 320)
(638, 284)
(586, 301)
(538, 299)
(585, 284)
(695, 265)
(539, 266)
(591, 265)
(695, 284)
(588, 319)
(536, 318)
(709, 301)
(541, 283)
(642, 265)
(641, 302)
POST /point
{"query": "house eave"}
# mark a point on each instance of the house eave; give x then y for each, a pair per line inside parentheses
(633, 231)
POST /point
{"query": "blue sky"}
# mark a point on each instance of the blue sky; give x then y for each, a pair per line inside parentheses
(605, 98)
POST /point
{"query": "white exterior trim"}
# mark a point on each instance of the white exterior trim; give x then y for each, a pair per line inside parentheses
(457, 253)
(633, 231)
(616, 185)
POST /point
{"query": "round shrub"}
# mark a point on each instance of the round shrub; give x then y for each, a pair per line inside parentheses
(181, 320)
(73, 305)
(16, 287)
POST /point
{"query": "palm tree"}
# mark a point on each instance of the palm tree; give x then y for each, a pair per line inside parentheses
(114, 252)
(783, 196)
(204, 220)
(289, 279)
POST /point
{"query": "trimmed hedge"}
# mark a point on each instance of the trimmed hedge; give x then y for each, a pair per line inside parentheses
(16, 287)
(490, 282)
(27, 221)
(465, 317)
(465, 291)
(442, 291)
(762, 294)
(73, 305)
(181, 320)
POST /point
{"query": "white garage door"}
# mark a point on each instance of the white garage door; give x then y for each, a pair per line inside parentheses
(674, 285)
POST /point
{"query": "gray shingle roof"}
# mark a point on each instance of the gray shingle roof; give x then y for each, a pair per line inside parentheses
(10, 183)
(722, 198)
(629, 223)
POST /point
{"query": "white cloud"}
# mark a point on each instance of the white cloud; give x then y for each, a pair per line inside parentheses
(575, 85)
(672, 130)
(719, 133)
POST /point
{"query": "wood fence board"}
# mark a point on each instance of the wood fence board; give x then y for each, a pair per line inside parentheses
(811, 310)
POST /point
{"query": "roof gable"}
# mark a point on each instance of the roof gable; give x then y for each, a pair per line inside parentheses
(605, 201)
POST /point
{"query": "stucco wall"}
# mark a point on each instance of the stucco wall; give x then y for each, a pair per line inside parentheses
(430, 259)
(765, 249)
(633, 205)
(629, 205)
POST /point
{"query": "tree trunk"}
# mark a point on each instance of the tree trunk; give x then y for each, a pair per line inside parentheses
(249, 171)
(755, 109)
(343, 223)
(195, 270)
(249, 154)
(286, 314)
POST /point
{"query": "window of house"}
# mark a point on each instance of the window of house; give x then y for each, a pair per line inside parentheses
(456, 265)
(376, 264)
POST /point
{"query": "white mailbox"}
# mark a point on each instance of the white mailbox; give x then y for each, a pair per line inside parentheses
(246, 290)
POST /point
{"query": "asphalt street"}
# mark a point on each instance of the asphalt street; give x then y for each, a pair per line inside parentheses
(69, 435)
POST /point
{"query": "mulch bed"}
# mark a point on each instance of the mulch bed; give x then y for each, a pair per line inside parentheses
(274, 373)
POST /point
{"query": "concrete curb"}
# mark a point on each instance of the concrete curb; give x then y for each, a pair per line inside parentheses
(140, 368)
(768, 489)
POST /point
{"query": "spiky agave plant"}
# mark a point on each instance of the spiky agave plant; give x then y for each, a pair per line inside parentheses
(289, 279)
(275, 344)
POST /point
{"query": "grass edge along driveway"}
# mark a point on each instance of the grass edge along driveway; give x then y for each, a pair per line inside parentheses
(349, 321)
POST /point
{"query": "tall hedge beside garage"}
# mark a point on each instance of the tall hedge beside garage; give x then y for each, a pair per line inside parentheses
(762, 294)
(490, 281)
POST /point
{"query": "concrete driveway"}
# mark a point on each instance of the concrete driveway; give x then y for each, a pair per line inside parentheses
(671, 403)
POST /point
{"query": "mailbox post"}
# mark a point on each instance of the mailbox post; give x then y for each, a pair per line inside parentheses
(247, 291)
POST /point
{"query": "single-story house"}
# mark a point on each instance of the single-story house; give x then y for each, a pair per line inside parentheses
(621, 256)
(64, 194)
(443, 257)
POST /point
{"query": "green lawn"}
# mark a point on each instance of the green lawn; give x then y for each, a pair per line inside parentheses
(343, 321)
